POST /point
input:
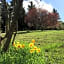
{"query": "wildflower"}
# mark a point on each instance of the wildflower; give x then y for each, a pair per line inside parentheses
(31, 44)
(38, 50)
(18, 46)
(33, 41)
(35, 48)
(23, 46)
(32, 50)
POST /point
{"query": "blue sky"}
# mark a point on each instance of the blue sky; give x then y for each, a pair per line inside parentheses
(57, 4)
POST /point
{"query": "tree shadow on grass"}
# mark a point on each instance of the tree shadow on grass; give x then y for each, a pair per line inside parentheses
(28, 31)
(23, 32)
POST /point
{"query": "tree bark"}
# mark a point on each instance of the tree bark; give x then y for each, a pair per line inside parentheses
(8, 36)
(13, 25)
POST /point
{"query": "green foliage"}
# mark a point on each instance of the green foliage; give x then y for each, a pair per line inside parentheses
(50, 42)
(31, 6)
(21, 56)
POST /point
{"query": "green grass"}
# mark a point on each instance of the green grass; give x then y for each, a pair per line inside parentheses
(50, 42)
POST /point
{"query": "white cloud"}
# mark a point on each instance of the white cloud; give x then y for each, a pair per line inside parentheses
(38, 4)
(9, 3)
(0, 2)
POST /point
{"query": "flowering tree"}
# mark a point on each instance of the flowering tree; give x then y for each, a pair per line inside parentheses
(32, 18)
(41, 19)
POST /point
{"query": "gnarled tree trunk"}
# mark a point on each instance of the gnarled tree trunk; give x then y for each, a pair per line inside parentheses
(17, 7)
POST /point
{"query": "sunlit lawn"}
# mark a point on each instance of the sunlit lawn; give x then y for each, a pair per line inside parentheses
(50, 42)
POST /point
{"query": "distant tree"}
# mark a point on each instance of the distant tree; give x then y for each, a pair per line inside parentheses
(54, 10)
(54, 16)
(32, 18)
(42, 19)
(0, 16)
(31, 6)
(47, 19)
(20, 23)
(5, 15)
(60, 25)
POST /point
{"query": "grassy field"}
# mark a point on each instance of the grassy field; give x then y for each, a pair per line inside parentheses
(50, 42)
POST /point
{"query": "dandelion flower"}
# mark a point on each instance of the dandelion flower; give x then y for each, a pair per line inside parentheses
(23, 46)
(32, 50)
(33, 41)
(38, 50)
(35, 47)
(18, 46)
(31, 44)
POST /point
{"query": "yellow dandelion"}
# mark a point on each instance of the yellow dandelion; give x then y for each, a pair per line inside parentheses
(33, 41)
(35, 47)
(31, 44)
(18, 46)
(23, 46)
(38, 50)
(32, 50)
